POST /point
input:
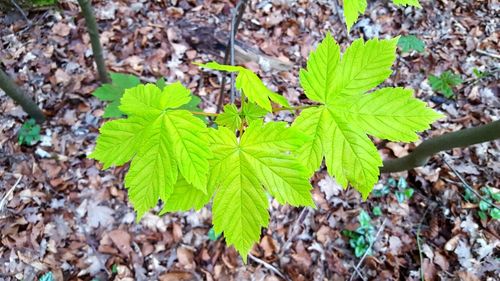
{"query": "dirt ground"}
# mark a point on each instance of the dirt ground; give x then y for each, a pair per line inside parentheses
(68, 217)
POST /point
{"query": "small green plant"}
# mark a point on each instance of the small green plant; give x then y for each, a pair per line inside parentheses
(361, 239)
(113, 92)
(411, 43)
(212, 235)
(444, 83)
(401, 189)
(480, 74)
(29, 134)
(354, 8)
(486, 209)
(48, 276)
(177, 159)
(377, 211)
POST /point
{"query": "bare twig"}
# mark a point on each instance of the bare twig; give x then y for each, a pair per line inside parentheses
(4, 199)
(234, 28)
(292, 230)
(488, 54)
(419, 245)
(21, 11)
(356, 269)
(466, 185)
(231, 45)
(268, 266)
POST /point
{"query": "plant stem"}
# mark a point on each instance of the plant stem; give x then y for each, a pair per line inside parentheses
(204, 113)
(234, 28)
(94, 40)
(425, 150)
(278, 109)
(13, 91)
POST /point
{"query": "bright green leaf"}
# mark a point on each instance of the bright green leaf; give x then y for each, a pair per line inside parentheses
(414, 3)
(411, 42)
(162, 141)
(185, 197)
(252, 112)
(230, 118)
(339, 126)
(241, 171)
(352, 10)
(251, 85)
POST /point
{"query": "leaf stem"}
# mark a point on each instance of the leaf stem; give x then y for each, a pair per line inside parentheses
(203, 113)
(278, 109)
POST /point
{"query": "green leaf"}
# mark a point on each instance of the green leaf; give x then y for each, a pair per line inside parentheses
(409, 192)
(411, 42)
(414, 3)
(212, 235)
(113, 92)
(251, 85)
(402, 184)
(483, 205)
(252, 112)
(119, 140)
(495, 213)
(352, 10)
(482, 215)
(29, 133)
(338, 127)
(230, 118)
(364, 219)
(241, 170)
(186, 197)
(318, 78)
(363, 66)
(162, 142)
(445, 82)
(377, 211)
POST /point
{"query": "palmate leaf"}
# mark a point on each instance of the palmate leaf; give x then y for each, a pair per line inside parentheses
(338, 127)
(242, 170)
(251, 85)
(113, 92)
(411, 42)
(163, 141)
(354, 8)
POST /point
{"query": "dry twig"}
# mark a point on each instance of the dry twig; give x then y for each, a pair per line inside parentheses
(356, 269)
(4, 199)
(268, 266)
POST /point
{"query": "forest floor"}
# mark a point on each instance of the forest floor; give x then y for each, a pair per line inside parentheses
(61, 213)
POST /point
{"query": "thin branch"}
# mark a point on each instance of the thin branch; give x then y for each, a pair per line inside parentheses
(419, 245)
(268, 266)
(278, 109)
(464, 183)
(204, 113)
(4, 199)
(93, 31)
(21, 11)
(488, 54)
(13, 91)
(356, 269)
(234, 28)
(426, 149)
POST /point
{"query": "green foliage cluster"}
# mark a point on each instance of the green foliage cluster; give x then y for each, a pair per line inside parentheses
(400, 188)
(178, 159)
(445, 82)
(411, 43)
(361, 239)
(490, 197)
(29, 133)
(113, 92)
